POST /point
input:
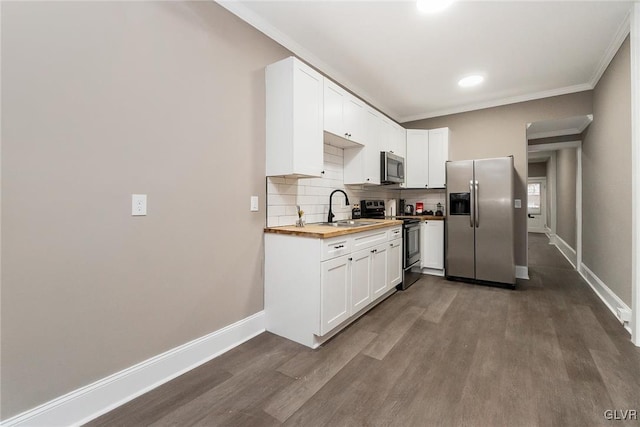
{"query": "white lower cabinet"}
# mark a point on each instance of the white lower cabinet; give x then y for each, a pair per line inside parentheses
(334, 293)
(432, 245)
(360, 279)
(379, 278)
(314, 287)
(394, 268)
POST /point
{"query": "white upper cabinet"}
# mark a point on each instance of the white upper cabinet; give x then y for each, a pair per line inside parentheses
(294, 119)
(400, 140)
(386, 132)
(343, 116)
(427, 153)
(362, 165)
(417, 161)
(438, 156)
(393, 137)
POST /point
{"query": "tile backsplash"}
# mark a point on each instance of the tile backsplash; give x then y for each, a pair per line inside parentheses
(430, 198)
(312, 194)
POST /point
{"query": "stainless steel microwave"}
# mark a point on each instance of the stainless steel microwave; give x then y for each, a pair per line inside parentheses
(391, 168)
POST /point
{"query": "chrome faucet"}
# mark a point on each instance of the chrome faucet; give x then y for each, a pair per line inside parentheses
(346, 203)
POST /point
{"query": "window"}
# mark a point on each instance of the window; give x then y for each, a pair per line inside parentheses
(533, 199)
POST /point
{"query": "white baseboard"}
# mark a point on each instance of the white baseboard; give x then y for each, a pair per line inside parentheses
(551, 235)
(611, 300)
(566, 250)
(522, 272)
(98, 398)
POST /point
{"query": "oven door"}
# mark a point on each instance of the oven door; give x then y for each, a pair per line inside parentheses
(411, 245)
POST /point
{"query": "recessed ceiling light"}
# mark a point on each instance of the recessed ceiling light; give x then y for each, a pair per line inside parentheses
(432, 6)
(470, 81)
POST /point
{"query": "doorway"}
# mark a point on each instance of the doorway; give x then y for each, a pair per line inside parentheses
(536, 205)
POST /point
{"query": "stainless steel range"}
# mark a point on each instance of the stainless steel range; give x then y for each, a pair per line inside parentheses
(410, 240)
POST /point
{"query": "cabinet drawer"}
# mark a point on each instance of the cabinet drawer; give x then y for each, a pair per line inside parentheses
(336, 246)
(365, 240)
(395, 233)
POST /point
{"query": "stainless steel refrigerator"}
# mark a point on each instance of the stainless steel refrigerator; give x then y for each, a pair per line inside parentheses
(480, 224)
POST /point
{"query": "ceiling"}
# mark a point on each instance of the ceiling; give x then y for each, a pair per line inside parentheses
(407, 64)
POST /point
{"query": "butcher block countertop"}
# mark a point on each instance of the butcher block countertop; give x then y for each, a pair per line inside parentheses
(422, 217)
(327, 231)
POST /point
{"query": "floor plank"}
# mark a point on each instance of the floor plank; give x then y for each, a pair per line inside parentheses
(548, 353)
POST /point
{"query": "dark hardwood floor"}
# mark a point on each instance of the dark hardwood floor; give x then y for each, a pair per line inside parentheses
(441, 353)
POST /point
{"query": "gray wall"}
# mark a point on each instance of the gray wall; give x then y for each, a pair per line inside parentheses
(501, 131)
(99, 101)
(606, 166)
(566, 165)
(537, 169)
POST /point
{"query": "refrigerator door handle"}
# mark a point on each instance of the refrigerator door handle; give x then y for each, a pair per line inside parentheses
(477, 207)
(472, 213)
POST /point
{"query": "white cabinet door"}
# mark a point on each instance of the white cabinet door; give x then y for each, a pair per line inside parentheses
(294, 111)
(360, 280)
(394, 263)
(353, 119)
(343, 113)
(385, 130)
(362, 165)
(432, 245)
(417, 162)
(438, 155)
(400, 140)
(372, 148)
(334, 293)
(333, 108)
(379, 269)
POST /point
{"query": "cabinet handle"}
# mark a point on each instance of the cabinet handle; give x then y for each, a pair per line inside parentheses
(350, 259)
(426, 185)
(368, 179)
(346, 134)
(338, 247)
(374, 251)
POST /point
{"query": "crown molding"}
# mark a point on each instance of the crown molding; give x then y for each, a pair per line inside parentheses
(577, 129)
(499, 102)
(262, 25)
(614, 46)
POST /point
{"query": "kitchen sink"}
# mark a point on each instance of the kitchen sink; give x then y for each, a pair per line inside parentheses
(347, 223)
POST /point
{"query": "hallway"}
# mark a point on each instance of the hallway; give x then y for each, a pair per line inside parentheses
(441, 353)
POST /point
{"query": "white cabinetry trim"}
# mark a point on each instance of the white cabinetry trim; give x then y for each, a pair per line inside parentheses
(89, 402)
(611, 300)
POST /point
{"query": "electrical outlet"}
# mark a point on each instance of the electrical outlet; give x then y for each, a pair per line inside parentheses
(138, 204)
(517, 203)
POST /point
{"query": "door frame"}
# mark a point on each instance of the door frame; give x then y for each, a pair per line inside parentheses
(552, 148)
(635, 173)
(543, 195)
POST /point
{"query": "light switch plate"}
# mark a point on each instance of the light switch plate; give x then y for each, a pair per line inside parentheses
(254, 203)
(138, 204)
(517, 203)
